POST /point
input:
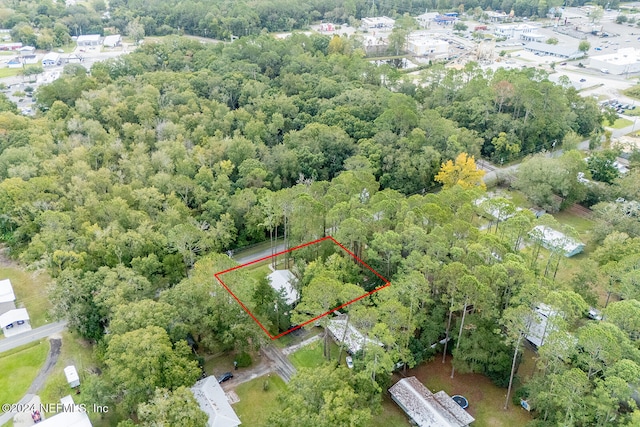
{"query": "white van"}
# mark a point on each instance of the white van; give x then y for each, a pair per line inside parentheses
(604, 71)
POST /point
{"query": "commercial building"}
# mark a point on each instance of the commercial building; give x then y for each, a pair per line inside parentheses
(625, 60)
(377, 22)
(112, 41)
(565, 52)
(425, 45)
(88, 40)
(51, 59)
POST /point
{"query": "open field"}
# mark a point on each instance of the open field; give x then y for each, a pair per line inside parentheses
(18, 368)
(30, 290)
(486, 400)
(256, 403)
(9, 72)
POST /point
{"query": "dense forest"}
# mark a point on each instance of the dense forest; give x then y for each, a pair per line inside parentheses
(47, 23)
(134, 179)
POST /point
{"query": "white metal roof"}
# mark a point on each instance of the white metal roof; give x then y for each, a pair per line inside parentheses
(6, 291)
(112, 40)
(88, 38)
(353, 339)
(12, 316)
(51, 56)
(555, 239)
(214, 402)
(71, 373)
(69, 415)
(428, 409)
(281, 280)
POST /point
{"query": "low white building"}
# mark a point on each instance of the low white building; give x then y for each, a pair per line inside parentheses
(71, 374)
(377, 22)
(625, 60)
(282, 281)
(212, 400)
(14, 322)
(112, 41)
(348, 335)
(27, 50)
(7, 297)
(427, 409)
(425, 45)
(51, 59)
(565, 52)
(514, 31)
(88, 40)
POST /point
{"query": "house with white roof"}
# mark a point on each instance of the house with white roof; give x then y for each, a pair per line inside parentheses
(539, 325)
(112, 40)
(7, 297)
(427, 409)
(345, 333)
(282, 281)
(214, 402)
(14, 322)
(555, 240)
(69, 415)
(88, 40)
(51, 59)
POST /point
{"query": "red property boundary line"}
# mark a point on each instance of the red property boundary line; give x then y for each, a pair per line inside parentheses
(255, 319)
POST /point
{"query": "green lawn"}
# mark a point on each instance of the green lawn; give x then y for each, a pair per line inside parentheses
(18, 368)
(9, 72)
(391, 416)
(30, 290)
(620, 123)
(255, 403)
(311, 355)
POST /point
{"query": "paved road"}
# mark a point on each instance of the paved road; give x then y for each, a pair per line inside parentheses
(283, 366)
(243, 259)
(32, 335)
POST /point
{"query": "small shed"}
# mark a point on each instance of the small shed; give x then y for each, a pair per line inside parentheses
(427, 409)
(72, 376)
(14, 322)
(282, 280)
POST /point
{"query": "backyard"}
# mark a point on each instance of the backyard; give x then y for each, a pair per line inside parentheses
(255, 402)
(486, 400)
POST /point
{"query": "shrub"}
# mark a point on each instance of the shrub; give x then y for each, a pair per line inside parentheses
(243, 359)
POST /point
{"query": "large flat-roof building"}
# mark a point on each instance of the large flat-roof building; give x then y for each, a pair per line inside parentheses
(625, 60)
(427, 409)
(377, 22)
(426, 45)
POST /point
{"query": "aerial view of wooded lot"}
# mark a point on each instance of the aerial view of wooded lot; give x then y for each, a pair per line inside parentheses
(492, 200)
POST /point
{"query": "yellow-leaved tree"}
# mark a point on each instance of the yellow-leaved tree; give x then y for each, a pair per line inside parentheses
(462, 172)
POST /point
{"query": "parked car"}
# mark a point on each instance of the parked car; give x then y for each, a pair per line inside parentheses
(225, 377)
(583, 80)
(349, 361)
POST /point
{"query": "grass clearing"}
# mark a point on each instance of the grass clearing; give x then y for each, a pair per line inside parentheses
(9, 72)
(311, 356)
(31, 292)
(620, 123)
(486, 400)
(19, 367)
(391, 415)
(256, 403)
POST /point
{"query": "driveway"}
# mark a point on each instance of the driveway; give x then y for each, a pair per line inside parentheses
(32, 335)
